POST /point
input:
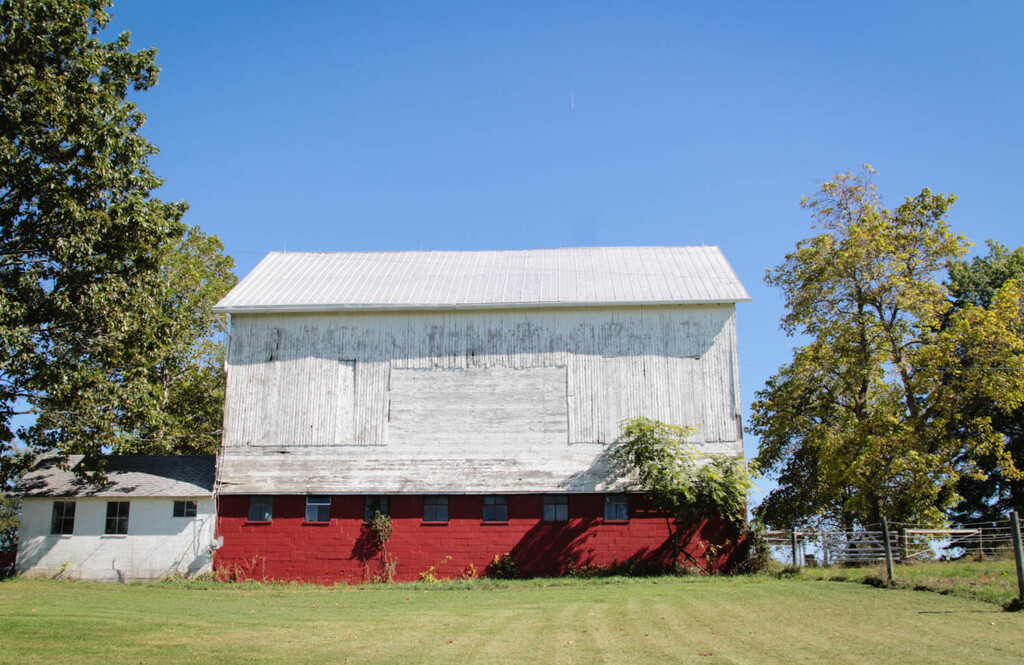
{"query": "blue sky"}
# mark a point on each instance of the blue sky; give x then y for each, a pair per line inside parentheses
(328, 126)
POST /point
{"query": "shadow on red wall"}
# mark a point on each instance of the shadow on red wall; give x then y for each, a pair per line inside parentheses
(346, 550)
(7, 560)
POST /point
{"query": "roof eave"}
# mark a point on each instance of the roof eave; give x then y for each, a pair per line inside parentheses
(108, 494)
(404, 307)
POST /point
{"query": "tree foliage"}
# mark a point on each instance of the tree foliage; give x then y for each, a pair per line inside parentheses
(678, 478)
(869, 418)
(992, 493)
(381, 527)
(107, 338)
(9, 510)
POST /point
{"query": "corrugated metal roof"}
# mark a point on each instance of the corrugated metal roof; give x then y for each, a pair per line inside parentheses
(127, 475)
(333, 281)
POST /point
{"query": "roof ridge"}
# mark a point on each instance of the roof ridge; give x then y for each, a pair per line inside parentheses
(479, 251)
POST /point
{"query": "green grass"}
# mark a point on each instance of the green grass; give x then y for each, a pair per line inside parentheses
(658, 620)
(991, 581)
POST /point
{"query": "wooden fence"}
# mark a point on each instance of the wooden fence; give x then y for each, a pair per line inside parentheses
(904, 543)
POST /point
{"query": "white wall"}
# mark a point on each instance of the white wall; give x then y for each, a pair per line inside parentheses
(157, 543)
(468, 401)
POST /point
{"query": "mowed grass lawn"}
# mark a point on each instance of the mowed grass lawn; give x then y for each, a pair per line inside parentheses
(994, 581)
(661, 620)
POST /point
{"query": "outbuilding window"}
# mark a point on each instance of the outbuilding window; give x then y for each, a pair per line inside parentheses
(185, 508)
(318, 508)
(117, 518)
(261, 508)
(556, 508)
(373, 505)
(435, 509)
(63, 521)
(495, 509)
(616, 507)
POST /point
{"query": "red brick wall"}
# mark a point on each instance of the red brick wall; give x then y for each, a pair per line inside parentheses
(7, 560)
(343, 550)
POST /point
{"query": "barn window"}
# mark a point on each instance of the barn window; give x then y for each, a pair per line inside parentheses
(373, 505)
(117, 518)
(435, 509)
(261, 508)
(63, 521)
(185, 508)
(556, 508)
(495, 509)
(318, 508)
(616, 507)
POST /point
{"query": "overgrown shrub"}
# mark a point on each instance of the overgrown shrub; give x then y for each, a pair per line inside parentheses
(382, 528)
(756, 556)
(503, 567)
(681, 480)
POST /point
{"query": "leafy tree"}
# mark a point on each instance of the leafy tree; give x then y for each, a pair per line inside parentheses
(9, 507)
(868, 419)
(992, 493)
(107, 339)
(977, 282)
(678, 479)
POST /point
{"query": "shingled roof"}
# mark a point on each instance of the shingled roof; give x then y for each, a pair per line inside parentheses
(577, 276)
(127, 475)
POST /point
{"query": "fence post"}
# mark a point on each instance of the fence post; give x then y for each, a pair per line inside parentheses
(1017, 553)
(902, 544)
(795, 563)
(888, 549)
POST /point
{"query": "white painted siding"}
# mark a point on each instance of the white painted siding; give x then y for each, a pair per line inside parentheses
(467, 401)
(455, 408)
(157, 543)
(312, 400)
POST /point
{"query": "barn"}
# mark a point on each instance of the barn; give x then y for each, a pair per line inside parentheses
(153, 516)
(471, 396)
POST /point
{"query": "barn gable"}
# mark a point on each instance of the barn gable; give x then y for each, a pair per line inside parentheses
(462, 372)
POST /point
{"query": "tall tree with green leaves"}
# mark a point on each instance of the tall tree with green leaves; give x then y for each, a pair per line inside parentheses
(991, 493)
(868, 419)
(9, 518)
(107, 338)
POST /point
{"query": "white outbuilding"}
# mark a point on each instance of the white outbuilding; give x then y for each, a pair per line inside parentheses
(154, 516)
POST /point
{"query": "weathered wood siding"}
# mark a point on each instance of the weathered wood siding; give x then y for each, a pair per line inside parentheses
(467, 401)
(456, 408)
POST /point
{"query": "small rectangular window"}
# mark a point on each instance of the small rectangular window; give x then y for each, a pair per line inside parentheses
(318, 508)
(616, 507)
(117, 518)
(435, 509)
(556, 508)
(373, 505)
(63, 520)
(261, 508)
(495, 509)
(185, 508)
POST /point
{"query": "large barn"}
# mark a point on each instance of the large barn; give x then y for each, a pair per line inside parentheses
(473, 396)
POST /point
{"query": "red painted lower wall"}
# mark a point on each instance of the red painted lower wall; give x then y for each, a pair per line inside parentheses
(344, 549)
(7, 559)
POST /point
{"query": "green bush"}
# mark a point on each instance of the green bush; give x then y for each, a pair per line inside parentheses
(503, 567)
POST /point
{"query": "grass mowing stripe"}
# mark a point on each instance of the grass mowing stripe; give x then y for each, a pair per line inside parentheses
(738, 620)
